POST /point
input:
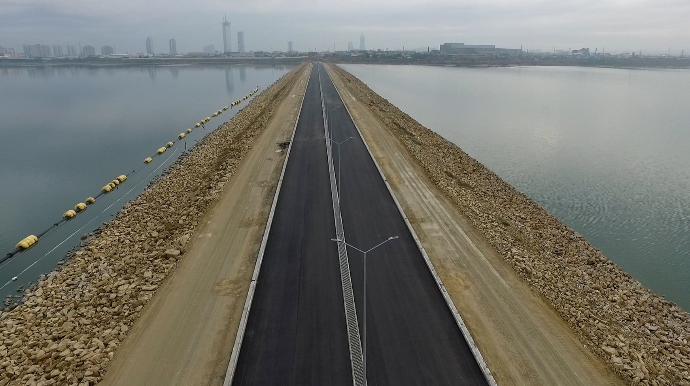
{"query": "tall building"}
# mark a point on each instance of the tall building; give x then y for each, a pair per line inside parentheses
(72, 50)
(350, 46)
(226, 41)
(173, 46)
(240, 42)
(87, 51)
(361, 43)
(57, 51)
(36, 50)
(149, 46)
(209, 50)
(107, 50)
(290, 46)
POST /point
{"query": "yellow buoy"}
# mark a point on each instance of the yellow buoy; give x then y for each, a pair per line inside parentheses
(27, 242)
(198, 124)
(148, 160)
(107, 188)
(69, 214)
(189, 131)
(90, 200)
(215, 114)
(80, 206)
(112, 186)
(122, 178)
(225, 108)
(182, 135)
(161, 150)
(208, 119)
(170, 144)
(115, 182)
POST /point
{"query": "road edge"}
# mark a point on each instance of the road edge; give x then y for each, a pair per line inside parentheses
(239, 337)
(449, 302)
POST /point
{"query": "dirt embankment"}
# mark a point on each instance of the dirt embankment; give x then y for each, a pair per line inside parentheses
(639, 334)
(70, 325)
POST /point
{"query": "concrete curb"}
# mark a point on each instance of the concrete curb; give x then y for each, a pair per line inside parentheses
(232, 366)
(458, 319)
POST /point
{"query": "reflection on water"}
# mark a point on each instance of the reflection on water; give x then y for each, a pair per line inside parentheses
(66, 131)
(604, 150)
(229, 81)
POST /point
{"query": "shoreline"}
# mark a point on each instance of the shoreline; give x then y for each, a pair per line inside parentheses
(640, 335)
(72, 321)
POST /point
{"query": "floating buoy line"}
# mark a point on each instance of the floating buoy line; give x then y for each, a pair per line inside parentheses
(31, 240)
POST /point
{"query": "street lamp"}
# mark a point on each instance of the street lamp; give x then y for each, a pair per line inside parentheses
(328, 113)
(339, 143)
(365, 292)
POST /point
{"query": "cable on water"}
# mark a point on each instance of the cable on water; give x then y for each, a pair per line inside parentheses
(29, 241)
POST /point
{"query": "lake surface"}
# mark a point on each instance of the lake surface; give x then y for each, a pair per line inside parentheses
(607, 151)
(65, 132)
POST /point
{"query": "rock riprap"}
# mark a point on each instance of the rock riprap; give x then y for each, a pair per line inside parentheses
(69, 326)
(639, 334)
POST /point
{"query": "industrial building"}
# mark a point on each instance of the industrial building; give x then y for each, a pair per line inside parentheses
(173, 46)
(473, 49)
(107, 50)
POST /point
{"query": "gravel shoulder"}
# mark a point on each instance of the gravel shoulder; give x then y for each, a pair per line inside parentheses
(522, 338)
(186, 334)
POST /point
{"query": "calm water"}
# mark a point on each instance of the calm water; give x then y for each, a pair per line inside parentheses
(65, 132)
(607, 151)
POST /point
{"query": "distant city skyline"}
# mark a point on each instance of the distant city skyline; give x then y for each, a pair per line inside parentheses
(642, 25)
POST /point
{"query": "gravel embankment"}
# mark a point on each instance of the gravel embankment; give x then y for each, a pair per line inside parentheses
(639, 334)
(71, 323)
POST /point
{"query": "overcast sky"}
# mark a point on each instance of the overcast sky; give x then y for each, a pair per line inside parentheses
(618, 25)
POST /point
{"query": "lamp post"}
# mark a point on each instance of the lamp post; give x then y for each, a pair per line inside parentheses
(339, 143)
(364, 253)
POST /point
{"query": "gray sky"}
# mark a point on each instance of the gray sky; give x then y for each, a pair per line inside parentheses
(618, 25)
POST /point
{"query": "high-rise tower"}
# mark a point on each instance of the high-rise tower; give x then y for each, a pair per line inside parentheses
(361, 43)
(226, 42)
(240, 41)
(149, 46)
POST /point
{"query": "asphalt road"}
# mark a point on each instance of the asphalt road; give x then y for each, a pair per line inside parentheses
(296, 332)
(412, 336)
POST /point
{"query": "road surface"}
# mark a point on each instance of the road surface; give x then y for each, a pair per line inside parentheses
(296, 332)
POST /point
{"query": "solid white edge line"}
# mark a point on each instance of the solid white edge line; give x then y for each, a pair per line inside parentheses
(465, 332)
(230, 373)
